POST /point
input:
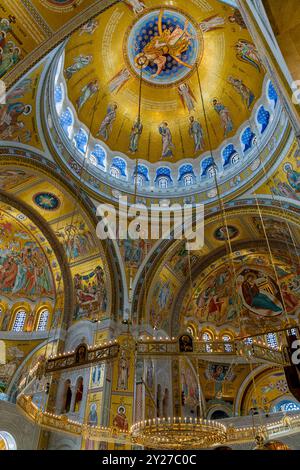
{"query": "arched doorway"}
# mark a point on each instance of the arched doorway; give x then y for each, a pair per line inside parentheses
(219, 414)
(79, 394)
(67, 397)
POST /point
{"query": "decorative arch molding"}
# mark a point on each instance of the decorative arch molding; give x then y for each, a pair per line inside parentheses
(25, 433)
(283, 209)
(81, 332)
(258, 372)
(17, 374)
(55, 245)
(217, 254)
(33, 161)
(223, 408)
(145, 278)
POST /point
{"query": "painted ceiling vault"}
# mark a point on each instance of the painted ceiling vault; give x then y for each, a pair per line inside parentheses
(160, 101)
(29, 269)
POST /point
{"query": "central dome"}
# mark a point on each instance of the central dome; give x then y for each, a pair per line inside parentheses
(103, 71)
(165, 44)
(162, 98)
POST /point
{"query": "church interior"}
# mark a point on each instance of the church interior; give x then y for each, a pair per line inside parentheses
(132, 343)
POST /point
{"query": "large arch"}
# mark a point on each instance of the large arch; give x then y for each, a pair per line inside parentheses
(77, 203)
(11, 200)
(239, 213)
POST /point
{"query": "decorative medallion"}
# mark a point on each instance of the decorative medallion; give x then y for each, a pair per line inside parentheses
(221, 233)
(165, 44)
(47, 201)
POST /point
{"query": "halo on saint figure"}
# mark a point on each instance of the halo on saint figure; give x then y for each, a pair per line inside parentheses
(256, 290)
(141, 61)
(27, 110)
(121, 409)
(287, 167)
(222, 233)
(93, 407)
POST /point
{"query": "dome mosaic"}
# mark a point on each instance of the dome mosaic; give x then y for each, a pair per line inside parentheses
(161, 99)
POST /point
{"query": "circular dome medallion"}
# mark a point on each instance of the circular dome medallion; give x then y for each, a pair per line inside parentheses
(46, 201)
(165, 44)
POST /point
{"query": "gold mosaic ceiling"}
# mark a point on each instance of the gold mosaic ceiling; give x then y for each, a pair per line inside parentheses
(169, 38)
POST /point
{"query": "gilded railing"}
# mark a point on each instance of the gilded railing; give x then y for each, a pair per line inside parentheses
(160, 347)
(82, 357)
(63, 424)
(204, 428)
(286, 425)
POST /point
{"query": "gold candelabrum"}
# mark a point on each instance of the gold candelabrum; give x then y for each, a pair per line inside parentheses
(178, 433)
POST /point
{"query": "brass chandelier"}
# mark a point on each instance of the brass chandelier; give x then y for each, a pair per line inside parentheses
(178, 433)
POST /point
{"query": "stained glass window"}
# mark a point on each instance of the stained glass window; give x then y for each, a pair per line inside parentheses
(139, 180)
(19, 321)
(7, 441)
(272, 94)
(98, 156)
(248, 340)
(235, 159)
(286, 405)
(143, 171)
(230, 155)
(81, 140)
(263, 118)
(163, 172)
(58, 93)
(43, 320)
(248, 139)
(120, 165)
(211, 171)
(227, 347)
(163, 183)
(186, 174)
(115, 172)
(207, 338)
(291, 406)
(272, 340)
(188, 180)
(206, 165)
(66, 121)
